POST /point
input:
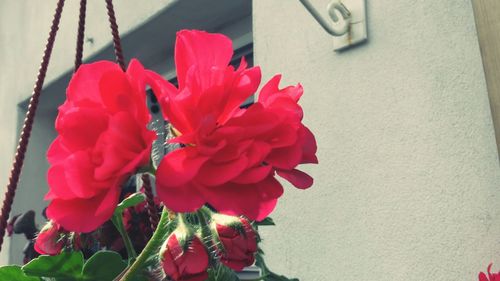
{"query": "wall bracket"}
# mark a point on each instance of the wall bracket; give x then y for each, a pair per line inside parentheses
(347, 23)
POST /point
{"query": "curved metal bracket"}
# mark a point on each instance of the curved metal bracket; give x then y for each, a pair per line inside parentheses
(347, 23)
(340, 27)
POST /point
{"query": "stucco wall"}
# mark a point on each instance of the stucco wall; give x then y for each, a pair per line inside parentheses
(409, 171)
(24, 27)
(408, 182)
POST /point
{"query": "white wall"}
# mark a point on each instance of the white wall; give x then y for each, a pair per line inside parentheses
(408, 181)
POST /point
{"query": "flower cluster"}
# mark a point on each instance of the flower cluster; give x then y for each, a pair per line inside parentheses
(228, 157)
(102, 139)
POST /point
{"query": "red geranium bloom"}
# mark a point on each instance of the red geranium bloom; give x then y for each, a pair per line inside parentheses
(230, 155)
(491, 276)
(102, 139)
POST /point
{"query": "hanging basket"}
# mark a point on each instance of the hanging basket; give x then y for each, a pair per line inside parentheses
(214, 188)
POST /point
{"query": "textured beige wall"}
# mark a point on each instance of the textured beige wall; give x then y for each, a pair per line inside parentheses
(24, 27)
(408, 176)
(408, 182)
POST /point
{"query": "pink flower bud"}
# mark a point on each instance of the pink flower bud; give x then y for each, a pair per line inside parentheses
(238, 241)
(184, 257)
(49, 241)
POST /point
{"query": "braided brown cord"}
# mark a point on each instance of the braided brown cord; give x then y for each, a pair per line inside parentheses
(150, 202)
(116, 36)
(81, 34)
(28, 124)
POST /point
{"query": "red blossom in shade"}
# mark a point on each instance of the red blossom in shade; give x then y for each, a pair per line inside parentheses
(237, 239)
(230, 155)
(490, 277)
(184, 257)
(102, 139)
(50, 240)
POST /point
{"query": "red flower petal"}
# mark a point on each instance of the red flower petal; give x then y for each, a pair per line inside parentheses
(255, 201)
(253, 175)
(56, 152)
(76, 134)
(269, 88)
(286, 157)
(243, 87)
(272, 87)
(298, 178)
(196, 257)
(309, 148)
(184, 198)
(216, 174)
(84, 84)
(72, 178)
(80, 215)
(181, 111)
(122, 147)
(205, 50)
(179, 167)
(116, 92)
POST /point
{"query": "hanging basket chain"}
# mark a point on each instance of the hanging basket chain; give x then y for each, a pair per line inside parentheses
(28, 124)
(33, 104)
(150, 202)
(150, 205)
(81, 34)
(116, 36)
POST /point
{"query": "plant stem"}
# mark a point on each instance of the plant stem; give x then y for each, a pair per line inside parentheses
(207, 237)
(152, 246)
(205, 228)
(118, 222)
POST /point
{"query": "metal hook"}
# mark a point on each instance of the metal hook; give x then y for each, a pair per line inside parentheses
(333, 8)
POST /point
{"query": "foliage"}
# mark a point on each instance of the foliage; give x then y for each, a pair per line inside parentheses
(68, 266)
(222, 272)
(15, 273)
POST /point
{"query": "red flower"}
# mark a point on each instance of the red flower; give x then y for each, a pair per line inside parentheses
(184, 257)
(238, 240)
(102, 139)
(490, 277)
(231, 155)
(50, 240)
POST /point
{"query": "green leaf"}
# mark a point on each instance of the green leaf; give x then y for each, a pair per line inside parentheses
(15, 273)
(266, 221)
(103, 266)
(222, 273)
(65, 266)
(131, 201)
